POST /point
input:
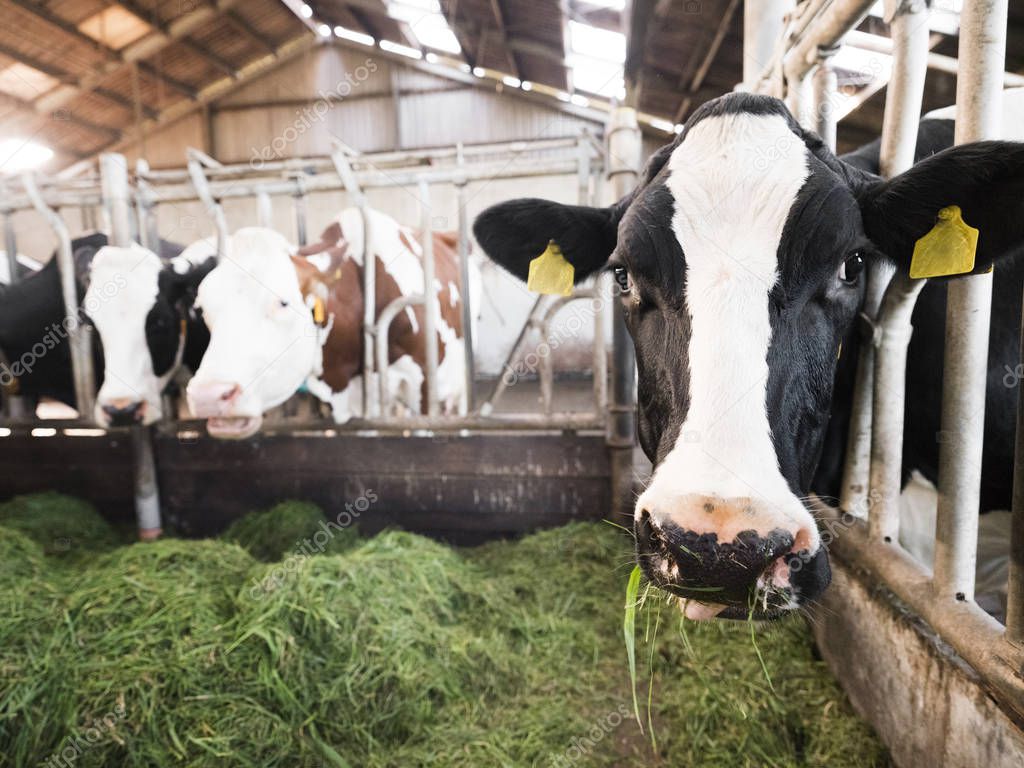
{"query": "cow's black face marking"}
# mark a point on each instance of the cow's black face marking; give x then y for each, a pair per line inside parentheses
(163, 334)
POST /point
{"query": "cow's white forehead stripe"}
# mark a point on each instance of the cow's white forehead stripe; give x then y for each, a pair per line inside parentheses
(734, 179)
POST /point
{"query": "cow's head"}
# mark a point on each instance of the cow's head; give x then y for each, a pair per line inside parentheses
(139, 305)
(740, 259)
(264, 341)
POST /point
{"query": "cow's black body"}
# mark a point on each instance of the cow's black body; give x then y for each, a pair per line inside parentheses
(922, 421)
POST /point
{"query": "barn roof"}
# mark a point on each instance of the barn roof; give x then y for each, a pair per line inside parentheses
(80, 76)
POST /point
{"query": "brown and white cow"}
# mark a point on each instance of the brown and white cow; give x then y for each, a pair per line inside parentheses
(281, 321)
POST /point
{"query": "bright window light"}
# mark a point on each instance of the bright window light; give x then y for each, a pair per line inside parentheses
(615, 5)
(306, 11)
(350, 34)
(401, 50)
(427, 23)
(662, 125)
(323, 30)
(511, 82)
(597, 43)
(596, 76)
(580, 101)
(18, 155)
(479, 71)
(943, 16)
(526, 85)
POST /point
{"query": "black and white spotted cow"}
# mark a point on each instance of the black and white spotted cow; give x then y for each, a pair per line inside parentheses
(740, 258)
(139, 303)
(142, 306)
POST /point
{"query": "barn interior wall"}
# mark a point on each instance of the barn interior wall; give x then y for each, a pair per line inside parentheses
(285, 114)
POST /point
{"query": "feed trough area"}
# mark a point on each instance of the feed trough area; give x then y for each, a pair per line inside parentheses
(543, 383)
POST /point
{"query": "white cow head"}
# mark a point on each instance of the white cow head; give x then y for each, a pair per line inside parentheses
(264, 342)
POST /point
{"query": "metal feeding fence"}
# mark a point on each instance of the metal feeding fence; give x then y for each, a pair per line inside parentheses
(800, 72)
(226, 478)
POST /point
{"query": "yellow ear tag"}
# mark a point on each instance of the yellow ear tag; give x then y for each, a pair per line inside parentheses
(551, 273)
(948, 249)
(319, 311)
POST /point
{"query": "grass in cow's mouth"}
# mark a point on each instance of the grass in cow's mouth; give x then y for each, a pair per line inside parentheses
(389, 651)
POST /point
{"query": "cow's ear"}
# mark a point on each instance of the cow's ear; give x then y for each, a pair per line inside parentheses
(514, 233)
(985, 180)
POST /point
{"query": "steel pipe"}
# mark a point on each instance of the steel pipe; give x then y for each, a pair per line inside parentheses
(982, 55)
(11, 245)
(81, 343)
(624, 159)
(299, 203)
(886, 477)
(384, 320)
(264, 209)
(825, 86)
(469, 360)
(432, 311)
(824, 31)
(198, 162)
(764, 22)
(910, 33)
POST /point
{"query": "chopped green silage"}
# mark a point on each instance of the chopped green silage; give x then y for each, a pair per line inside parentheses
(394, 651)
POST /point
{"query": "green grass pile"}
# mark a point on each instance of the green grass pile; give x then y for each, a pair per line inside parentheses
(391, 651)
(63, 526)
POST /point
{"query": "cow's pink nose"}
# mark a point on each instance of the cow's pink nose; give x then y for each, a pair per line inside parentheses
(212, 398)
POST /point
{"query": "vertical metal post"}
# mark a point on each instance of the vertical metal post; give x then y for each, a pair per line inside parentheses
(114, 180)
(147, 225)
(826, 87)
(763, 25)
(909, 30)
(299, 199)
(366, 257)
(81, 346)
(466, 297)
(982, 56)
(264, 210)
(624, 157)
(887, 425)
(602, 292)
(431, 310)
(800, 98)
(11, 245)
(196, 161)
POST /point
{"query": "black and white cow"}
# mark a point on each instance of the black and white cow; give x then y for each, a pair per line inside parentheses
(142, 306)
(740, 258)
(139, 303)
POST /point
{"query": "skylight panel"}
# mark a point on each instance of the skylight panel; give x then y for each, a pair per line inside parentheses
(597, 43)
(427, 23)
(18, 155)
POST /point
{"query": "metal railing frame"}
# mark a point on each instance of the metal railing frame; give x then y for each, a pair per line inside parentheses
(943, 599)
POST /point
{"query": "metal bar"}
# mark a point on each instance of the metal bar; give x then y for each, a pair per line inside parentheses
(504, 381)
(601, 290)
(825, 85)
(886, 476)
(982, 54)
(299, 202)
(114, 177)
(825, 30)
(973, 634)
(11, 245)
(624, 156)
(910, 32)
(197, 163)
(432, 311)
(147, 225)
(384, 320)
(763, 25)
(264, 209)
(81, 346)
(368, 260)
(469, 360)
(556, 422)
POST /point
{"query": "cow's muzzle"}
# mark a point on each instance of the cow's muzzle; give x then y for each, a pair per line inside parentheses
(219, 402)
(727, 561)
(123, 412)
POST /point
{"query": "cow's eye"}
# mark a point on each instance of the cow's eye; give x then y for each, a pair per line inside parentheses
(621, 278)
(283, 303)
(851, 269)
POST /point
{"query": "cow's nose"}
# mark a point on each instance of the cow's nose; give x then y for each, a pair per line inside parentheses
(719, 552)
(208, 399)
(124, 412)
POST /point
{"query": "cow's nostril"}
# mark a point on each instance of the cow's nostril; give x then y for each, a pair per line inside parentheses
(232, 393)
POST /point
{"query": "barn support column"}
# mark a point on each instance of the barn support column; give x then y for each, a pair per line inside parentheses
(624, 159)
(826, 89)
(763, 24)
(982, 56)
(114, 179)
(909, 30)
(14, 404)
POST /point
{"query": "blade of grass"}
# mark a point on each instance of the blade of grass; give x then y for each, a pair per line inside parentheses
(629, 632)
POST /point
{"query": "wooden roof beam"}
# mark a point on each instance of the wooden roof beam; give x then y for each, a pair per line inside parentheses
(705, 65)
(249, 32)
